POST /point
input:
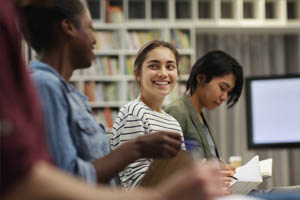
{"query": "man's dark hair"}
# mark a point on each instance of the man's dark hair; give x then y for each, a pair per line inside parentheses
(215, 64)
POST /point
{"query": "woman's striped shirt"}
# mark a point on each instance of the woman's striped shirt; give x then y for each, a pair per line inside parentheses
(136, 119)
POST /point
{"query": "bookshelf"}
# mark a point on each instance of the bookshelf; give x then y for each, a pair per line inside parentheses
(122, 26)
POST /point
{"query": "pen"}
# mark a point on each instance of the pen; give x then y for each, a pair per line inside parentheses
(233, 177)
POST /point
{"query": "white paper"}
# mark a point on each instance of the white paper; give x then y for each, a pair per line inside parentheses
(249, 177)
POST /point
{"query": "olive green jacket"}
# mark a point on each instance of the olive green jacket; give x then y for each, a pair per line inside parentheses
(184, 111)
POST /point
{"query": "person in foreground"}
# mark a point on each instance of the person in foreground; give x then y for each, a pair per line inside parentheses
(77, 143)
(155, 69)
(26, 169)
(215, 77)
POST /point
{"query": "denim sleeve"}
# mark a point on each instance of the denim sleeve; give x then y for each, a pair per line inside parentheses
(60, 143)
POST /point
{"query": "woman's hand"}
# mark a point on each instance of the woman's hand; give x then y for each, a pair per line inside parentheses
(161, 144)
(227, 173)
(199, 181)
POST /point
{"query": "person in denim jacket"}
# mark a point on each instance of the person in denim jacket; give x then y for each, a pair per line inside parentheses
(63, 37)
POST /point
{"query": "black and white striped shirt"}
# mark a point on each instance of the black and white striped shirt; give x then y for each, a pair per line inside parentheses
(133, 120)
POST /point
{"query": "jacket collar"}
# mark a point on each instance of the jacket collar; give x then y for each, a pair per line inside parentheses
(199, 127)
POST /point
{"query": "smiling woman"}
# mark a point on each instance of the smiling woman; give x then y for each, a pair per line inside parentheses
(158, 76)
(156, 71)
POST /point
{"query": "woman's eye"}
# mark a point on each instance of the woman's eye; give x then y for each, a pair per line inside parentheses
(222, 88)
(171, 67)
(153, 66)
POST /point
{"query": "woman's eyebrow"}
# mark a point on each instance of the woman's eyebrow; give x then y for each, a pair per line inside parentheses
(158, 61)
(153, 61)
(171, 61)
(226, 84)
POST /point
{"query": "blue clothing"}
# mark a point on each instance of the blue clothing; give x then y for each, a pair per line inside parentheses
(74, 137)
(278, 196)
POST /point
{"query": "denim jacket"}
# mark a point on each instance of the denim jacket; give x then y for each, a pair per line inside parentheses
(74, 137)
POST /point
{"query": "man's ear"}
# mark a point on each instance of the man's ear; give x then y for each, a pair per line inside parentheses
(68, 27)
(201, 78)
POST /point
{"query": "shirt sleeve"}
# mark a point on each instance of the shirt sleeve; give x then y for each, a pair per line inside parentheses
(59, 137)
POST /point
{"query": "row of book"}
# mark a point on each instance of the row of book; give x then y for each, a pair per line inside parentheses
(129, 65)
(103, 66)
(101, 92)
(110, 39)
(114, 14)
(107, 40)
(181, 39)
(135, 39)
(184, 65)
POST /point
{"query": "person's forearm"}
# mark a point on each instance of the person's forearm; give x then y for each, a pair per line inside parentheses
(110, 165)
(161, 144)
(48, 183)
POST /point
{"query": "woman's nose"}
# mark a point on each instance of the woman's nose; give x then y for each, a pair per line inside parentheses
(163, 72)
(224, 96)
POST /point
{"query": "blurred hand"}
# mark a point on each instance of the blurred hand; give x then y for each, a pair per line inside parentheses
(226, 172)
(160, 144)
(196, 182)
(226, 166)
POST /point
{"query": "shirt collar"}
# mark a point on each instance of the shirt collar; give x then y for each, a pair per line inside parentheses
(38, 65)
